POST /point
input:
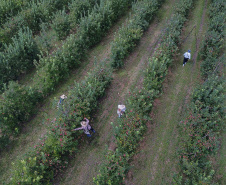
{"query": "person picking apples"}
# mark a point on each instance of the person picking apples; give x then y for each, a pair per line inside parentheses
(121, 110)
(85, 127)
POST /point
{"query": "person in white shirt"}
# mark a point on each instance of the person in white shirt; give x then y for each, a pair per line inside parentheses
(62, 97)
(121, 109)
(187, 55)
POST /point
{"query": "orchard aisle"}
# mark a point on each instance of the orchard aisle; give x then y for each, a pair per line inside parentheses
(156, 162)
(35, 129)
(85, 166)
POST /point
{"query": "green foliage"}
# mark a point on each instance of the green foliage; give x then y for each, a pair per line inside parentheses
(10, 28)
(18, 57)
(50, 156)
(55, 68)
(181, 7)
(162, 57)
(61, 24)
(214, 39)
(46, 39)
(123, 43)
(129, 34)
(200, 131)
(59, 4)
(92, 28)
(9, 8)
(17, 106)
(144, 11)
(32, 16)
(28, 172)
(156, 72)
(52, 69)
(37, 13)
(130, 128)
(79, 9)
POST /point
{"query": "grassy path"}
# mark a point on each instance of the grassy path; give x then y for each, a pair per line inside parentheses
(36, 128)
(86, 163)
(156, 162)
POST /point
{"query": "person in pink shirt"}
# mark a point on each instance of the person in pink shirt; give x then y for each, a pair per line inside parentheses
(85, 127)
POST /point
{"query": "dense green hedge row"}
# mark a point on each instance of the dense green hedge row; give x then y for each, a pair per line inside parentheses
(129, 34)
(214, 39)
(55, 68)
(129, 130)
(50, 156)
(9, 8)
(18, 56)
(63, 22)
(91, 30)
(200, 131)
(39, 11)
(79, 9)
(17, 106)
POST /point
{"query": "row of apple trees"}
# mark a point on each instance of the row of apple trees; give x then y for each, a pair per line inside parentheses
(9, 8)
(18, 102)
(49, 157)
(32, 15)
(18, 56)
(55, 68)
(129, 129)
(201, 128)
(130, 34)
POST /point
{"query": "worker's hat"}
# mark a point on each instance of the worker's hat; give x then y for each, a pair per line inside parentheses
(121, 107)
(63, 96)
(189, 51)
(84, 123)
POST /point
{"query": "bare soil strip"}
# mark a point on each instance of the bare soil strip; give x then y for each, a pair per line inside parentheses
(86, 163)
(156, 162)
(36, 128)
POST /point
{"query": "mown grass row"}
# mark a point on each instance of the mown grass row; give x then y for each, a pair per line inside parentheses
(129, 129)
(201, 128)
